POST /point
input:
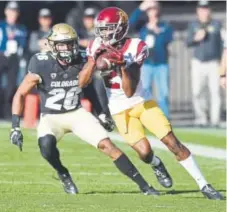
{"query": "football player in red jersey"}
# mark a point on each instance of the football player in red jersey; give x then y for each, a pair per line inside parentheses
(128, 104)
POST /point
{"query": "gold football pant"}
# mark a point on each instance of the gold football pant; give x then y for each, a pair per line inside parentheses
(131, 122)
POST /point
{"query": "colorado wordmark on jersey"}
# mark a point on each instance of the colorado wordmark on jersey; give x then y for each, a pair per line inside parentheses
(64, 83)
(134, 51)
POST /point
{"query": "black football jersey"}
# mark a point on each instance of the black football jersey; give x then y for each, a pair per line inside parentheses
(58, 87)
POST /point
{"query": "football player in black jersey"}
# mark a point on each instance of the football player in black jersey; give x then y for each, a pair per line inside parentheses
(56, 76)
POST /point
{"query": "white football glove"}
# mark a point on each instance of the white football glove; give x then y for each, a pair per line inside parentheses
(16, 138)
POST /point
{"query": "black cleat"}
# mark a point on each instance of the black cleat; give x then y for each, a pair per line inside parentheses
(162, 175)
(149, 190)
(68, 183)
(209, 192)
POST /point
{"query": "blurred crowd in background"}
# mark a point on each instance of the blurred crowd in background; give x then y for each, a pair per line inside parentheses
(181, 71)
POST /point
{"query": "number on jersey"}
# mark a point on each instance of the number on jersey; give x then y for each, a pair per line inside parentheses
(70, 99)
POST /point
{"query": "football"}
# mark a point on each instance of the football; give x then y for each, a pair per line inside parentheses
(103, 63)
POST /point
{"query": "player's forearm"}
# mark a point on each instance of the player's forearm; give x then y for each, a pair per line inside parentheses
(86, 74)
(18, 104)
(29, 82)
(127, 83)
(17, 109)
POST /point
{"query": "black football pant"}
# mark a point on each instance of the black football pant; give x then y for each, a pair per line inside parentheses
(96, 93)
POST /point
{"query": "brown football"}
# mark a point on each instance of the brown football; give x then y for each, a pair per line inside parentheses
(103, 63)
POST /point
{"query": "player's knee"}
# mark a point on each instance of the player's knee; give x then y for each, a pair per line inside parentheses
(107, 147)
(145, 154)
(46, 144)
(144, 150)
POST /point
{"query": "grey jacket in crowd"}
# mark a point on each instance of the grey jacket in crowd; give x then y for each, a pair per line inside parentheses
(211, 47)
(35, 36)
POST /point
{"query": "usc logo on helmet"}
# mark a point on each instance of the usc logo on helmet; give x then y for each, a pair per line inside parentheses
(123, 16)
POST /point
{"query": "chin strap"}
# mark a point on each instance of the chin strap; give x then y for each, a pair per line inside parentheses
(68, 60)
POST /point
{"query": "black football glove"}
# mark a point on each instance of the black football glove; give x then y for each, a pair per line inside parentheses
(106, 122)
(16, 138)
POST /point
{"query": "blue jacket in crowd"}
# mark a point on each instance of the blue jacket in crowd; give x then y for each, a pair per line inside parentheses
(19, 31)
(157, 43)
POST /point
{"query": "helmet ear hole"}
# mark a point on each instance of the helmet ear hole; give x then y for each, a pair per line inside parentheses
(52, 46)
(119, 29)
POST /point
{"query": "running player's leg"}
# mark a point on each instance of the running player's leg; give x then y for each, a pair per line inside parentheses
(131, 129)
(156, 122)
(49, 132)
(97, 136)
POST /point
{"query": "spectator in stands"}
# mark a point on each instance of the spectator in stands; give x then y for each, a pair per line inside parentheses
(12, 44)
(38, 41)
(86, 33)
(157, 34)
(223, 67)
(75, 15)
(204, 35)
(223, 58)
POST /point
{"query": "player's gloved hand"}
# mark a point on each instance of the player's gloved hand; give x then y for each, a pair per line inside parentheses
(115, 56)
(106, 122)
(99, 51)
(16, 138)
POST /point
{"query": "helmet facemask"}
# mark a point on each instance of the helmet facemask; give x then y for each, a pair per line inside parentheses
(111, 33)
(66, 50)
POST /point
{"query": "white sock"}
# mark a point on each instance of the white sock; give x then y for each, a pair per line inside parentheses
(155, 161)
(192, 168)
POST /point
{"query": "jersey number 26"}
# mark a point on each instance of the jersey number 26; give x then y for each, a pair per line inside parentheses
(70, 99)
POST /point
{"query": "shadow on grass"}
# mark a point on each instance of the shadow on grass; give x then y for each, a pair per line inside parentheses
(162, 192)
(175, 192)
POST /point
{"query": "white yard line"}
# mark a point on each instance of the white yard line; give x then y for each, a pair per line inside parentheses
(207, 131)
(196, 149)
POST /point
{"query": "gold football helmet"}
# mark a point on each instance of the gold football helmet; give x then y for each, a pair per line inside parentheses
(63, 41)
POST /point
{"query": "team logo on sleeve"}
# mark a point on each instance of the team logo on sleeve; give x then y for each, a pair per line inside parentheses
(53, 75)
(65, 76)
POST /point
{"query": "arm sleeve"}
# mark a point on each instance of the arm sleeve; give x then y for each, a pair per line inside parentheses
(190, 35)
(219, 26)
(169, 34)
(137, 19)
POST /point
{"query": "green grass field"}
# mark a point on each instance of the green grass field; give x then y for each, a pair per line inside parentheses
(27, 183)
